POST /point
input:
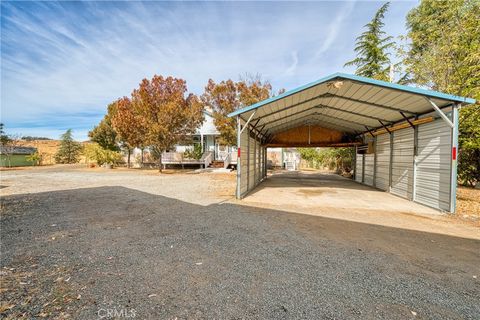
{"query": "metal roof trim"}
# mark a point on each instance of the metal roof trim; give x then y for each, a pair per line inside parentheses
(389, 85)
(401, 87)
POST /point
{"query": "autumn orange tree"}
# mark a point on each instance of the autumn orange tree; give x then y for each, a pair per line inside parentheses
(166, 112)
(128, 125)
(228, 96)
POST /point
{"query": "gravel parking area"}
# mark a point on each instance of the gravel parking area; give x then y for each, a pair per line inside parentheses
(117, 245)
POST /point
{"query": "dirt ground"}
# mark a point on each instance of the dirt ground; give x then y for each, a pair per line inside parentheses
(185, 185)
(468, 206)
(330, 195)
(94, 243)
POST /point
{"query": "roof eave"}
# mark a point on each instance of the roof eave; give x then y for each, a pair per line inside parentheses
(389, 85)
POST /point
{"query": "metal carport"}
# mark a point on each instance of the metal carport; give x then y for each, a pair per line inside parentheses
(406, 138)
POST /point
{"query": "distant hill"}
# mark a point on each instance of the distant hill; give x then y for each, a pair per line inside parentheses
(47, 148)
(30, 138)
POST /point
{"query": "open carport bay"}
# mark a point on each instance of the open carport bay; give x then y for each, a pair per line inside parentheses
(328, 191)
(331, 195)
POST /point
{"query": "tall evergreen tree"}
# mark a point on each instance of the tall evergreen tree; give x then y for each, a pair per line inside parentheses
(69, 150)
(372, 49)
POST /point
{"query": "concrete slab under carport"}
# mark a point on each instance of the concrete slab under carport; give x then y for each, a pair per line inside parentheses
(331, 195)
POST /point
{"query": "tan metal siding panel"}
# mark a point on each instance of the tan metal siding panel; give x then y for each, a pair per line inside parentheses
(358, 168)
(368, 176)
(243, 162)
(251, 165)
(433, 164)
(402, 163)
(382, 172)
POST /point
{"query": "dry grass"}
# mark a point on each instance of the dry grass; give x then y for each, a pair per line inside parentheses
(468, 205)
(47, 148)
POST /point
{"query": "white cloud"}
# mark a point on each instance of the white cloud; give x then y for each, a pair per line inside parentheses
(291, 69)
(334, 27)
(67, 59)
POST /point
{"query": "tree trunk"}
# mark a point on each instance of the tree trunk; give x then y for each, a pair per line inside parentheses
(141, 158)
(128, 158)
(160, 163)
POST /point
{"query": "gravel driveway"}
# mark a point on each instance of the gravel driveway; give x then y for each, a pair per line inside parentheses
(115, 252)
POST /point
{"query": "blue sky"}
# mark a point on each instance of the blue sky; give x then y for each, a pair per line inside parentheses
(63, 62)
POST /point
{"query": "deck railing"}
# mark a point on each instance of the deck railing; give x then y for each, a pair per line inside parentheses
(226, 161)
(172, 157)
(207, 158)
(231, 158)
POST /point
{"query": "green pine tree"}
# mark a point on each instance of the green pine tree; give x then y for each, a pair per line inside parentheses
(4, 138)
(69, 150)
(372, 49)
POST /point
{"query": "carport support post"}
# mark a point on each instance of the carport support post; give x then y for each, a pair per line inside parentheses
(248, 159)
(355, 163)
(363, 168)
(254, 162)
(375, 162)
(453, 181)
(239, 166)
(390, 166)
(266, 162)
(263, 162)
(415, 158)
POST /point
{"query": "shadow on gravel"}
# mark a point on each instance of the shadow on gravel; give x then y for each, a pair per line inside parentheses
(112, 251)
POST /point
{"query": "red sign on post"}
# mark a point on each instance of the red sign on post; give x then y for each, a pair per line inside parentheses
(454, 153)
(238, 152)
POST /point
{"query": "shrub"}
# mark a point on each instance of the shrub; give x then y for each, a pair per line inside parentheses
(101, 156)
(195, 153)
(338, 159)
(36, 158)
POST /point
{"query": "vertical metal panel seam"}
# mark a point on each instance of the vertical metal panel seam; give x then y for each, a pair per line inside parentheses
(374, 162)
(415, 152)
(239, 171)
(390, 167)
(254, 162)
(248, 160)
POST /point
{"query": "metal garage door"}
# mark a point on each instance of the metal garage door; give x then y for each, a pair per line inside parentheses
(369, 169)
(359, 168)
(433, 164)
(402, 163)
(382, 170)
